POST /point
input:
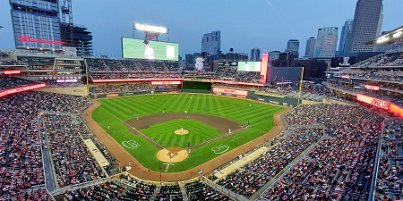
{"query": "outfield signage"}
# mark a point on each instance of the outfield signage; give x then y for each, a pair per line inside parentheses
(229, 91)
(166, 82)
(112, 95)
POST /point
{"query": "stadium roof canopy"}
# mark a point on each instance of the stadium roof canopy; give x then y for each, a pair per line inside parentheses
(389, 37)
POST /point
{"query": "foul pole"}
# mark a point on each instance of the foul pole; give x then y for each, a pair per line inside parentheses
(300, 85)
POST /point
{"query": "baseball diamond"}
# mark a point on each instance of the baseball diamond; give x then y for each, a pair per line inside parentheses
(211, 121)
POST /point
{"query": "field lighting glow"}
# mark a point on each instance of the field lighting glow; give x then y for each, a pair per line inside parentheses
(397, 34)
(150, 28)
(382, 40)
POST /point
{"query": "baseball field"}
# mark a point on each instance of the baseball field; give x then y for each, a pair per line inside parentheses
(175, 132)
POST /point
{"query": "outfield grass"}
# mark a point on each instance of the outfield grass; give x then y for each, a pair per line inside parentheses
(164, 133)
(113, 112)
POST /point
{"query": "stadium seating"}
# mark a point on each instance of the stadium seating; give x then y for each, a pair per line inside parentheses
(21, 166)
(13, 82)
(72, 160)
(169, 192)
(249, 179)
(200, 191)
(131, 65)
(114, 190)
(374, 74)
(340, 166)
(231, 74)
(390, 180)
(119, 88)
(388, 59)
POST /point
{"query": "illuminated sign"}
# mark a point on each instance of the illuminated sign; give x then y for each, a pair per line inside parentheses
(28, 39)
(112, 95)
(390, 107)
(370, 87)
(21, 89)
(68, 80)
(380, 103)
(345, 77)
(132, 80)
(235, 92)
(11, 72)
(166, 82)
(150, 28)
(374, 101)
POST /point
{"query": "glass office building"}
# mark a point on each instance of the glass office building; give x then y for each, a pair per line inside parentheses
(36, 24)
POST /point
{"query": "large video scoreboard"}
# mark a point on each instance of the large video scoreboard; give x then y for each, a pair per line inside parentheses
(151, 50)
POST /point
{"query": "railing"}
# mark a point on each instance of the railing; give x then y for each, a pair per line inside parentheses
(372, 191)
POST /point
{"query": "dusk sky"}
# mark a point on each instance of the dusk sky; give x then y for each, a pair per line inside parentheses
(244, 24)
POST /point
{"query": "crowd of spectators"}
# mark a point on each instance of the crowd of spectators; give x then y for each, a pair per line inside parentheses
(338, 167)
(142, 75)
(391, 59)
(232, 74)
(33, 195)
(373, 74)
(381, 94)
(131, 65)
(390, 174)
(114, 190)
(119, 88)
(250, 178)
(127, 188)
(54, 83)
(20, 154)
(13, 82)
(72, 160)
(169, 192)
(199, 191)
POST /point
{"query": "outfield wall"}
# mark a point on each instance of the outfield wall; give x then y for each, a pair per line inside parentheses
(110, 95)
(206, 87)
(196, 87)
(285, 101)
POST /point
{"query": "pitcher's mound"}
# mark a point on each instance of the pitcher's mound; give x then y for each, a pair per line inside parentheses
(181, 131)
(172, 154)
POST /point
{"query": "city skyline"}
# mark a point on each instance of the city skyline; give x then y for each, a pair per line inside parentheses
(188, 26)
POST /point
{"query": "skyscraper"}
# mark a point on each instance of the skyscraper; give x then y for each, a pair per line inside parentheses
(293, 47)
(274, 55)
(36, 24)
(211, 43)
(255, 54)
(345, 36)
(366, 26)
(326, 42)
(310, 47)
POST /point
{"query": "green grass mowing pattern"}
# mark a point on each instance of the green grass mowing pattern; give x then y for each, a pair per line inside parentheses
(164, 133)
(113, 112)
